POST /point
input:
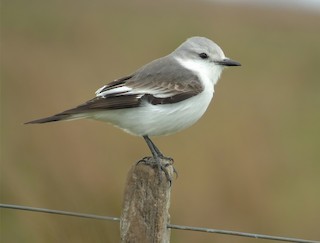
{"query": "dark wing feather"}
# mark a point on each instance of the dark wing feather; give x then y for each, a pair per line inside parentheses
(108, 103)
(114, 84)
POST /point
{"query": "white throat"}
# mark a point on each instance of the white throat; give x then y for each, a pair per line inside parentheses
(209, 73)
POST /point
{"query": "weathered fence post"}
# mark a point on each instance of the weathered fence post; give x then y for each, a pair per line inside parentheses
(146, 204)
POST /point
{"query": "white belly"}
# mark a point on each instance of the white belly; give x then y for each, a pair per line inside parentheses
(155, 120)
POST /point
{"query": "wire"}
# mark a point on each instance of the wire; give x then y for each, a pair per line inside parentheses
(242, 234)
(171, 226)
(59, 212)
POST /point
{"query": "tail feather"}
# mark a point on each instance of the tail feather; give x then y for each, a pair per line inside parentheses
(78, 112)
(58, 117)
(63, 116)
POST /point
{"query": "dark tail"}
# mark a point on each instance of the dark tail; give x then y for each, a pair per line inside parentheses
(78, 112)
(71, 114)
(58, 117)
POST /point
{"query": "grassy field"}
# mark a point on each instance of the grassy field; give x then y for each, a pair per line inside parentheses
(251, 164)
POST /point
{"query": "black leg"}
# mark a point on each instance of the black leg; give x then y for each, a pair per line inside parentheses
(153, 148)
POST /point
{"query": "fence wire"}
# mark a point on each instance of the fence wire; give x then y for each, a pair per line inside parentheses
(171, 226)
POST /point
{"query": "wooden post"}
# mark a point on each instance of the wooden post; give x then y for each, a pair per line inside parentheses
(146, 203)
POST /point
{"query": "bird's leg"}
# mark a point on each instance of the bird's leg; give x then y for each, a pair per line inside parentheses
(154, 150)
(158, 156)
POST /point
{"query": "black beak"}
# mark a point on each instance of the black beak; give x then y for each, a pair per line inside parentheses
(228, 62)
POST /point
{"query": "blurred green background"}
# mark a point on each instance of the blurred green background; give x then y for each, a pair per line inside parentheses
(251, 164)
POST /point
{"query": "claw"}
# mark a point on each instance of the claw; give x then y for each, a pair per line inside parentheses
(158, 163)
(158, 159)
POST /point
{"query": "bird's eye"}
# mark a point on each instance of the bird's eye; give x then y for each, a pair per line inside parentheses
(203, 55)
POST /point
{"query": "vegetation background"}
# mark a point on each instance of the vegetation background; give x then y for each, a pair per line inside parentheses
(250, 164)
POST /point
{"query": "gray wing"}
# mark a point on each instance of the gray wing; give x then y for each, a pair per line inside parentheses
(163, 81)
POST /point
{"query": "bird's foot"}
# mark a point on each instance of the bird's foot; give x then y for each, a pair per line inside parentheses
(161, 163)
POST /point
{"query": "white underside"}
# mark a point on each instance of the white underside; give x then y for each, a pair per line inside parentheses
(155, 120)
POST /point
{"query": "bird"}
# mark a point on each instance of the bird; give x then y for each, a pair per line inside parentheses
(165, 96)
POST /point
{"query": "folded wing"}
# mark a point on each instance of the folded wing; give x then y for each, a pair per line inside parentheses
(149, 84)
